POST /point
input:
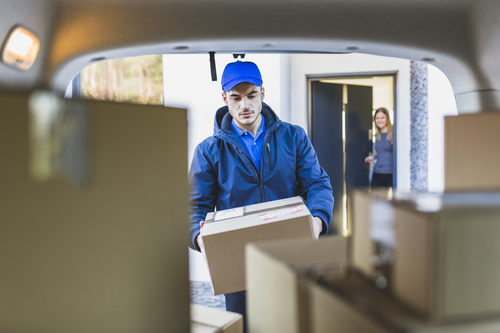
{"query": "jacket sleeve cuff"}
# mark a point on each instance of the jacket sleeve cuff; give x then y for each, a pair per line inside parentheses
(194, 242)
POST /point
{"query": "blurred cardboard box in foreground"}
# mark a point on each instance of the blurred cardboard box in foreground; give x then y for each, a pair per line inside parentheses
(351, 304)
(226, 233)
(472, 156)
(372, 229)
(209, 320)
(438, 253)
(276, 301)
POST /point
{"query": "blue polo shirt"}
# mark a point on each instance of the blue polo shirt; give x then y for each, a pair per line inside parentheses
(252, 145)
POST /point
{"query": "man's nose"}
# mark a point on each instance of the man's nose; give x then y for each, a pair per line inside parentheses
(244, 103)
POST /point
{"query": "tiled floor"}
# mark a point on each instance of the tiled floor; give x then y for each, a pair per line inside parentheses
(201, 293)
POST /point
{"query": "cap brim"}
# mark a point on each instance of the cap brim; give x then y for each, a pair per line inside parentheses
(231, 84)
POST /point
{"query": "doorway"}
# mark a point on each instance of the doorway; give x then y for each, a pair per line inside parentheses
(341, 130)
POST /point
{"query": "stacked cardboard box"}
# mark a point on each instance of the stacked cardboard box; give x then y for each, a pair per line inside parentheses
(372, 221)
(350, 304)
(471, 152)
(275, 297)
(444, 251)
(108, 256)
(209, 320)
(226, 233)
(304, 286)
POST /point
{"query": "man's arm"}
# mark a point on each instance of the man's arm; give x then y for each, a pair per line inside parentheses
(314, 183)
(203, 181)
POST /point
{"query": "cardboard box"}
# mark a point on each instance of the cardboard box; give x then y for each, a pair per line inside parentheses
(209, 320)
(226, 233)
(445, 249)
(300, 286)
(276, 301)
(350, 304)
(109, 256)
(471, 152)
(371, 216)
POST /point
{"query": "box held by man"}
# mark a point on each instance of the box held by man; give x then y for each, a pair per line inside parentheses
(226, 233)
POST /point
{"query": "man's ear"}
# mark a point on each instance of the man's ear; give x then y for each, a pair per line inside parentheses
(263, 92)
(224, 97)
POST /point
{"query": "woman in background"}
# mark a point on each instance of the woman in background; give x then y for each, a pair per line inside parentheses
(381, 158)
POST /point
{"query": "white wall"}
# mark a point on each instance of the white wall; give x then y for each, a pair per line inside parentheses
(188, 83)
(441, 103)
(341, 64)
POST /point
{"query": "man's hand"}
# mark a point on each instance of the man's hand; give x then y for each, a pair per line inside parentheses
(317, 226)
(199, 239)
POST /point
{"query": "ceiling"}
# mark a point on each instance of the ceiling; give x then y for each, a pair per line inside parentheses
(461, 37)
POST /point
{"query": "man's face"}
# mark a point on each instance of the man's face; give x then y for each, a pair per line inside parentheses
(244, 102)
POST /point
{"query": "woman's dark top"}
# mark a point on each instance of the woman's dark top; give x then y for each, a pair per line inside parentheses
(384, 155)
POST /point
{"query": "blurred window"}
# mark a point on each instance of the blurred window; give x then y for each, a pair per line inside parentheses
(132, 79)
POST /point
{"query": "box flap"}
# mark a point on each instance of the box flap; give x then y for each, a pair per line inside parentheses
(206, 316)
(254, 220)
(251, 209)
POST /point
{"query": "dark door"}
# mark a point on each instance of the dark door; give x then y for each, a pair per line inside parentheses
(358, 141)
(327, 137)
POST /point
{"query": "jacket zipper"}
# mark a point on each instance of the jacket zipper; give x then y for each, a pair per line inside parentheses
(269, 155)
(268, 147)
(249, 161)
(261, 169)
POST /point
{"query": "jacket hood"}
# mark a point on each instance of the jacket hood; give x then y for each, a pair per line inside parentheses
(222, 123)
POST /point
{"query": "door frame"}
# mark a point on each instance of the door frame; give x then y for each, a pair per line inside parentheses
(359, 75)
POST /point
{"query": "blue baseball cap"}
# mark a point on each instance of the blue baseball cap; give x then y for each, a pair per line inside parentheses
(240, 71)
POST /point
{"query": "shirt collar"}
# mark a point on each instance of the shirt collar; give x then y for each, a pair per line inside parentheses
(239, 132)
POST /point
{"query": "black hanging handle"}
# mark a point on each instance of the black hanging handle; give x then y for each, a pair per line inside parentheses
(213, 69)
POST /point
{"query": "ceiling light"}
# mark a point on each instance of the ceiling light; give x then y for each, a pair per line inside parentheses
(20, 48)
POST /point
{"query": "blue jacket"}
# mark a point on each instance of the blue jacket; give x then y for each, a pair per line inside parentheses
(223, 176)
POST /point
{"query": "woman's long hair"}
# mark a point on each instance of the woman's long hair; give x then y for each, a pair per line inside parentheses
(388, 123)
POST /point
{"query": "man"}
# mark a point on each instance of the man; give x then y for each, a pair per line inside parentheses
(254, 157)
